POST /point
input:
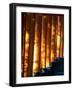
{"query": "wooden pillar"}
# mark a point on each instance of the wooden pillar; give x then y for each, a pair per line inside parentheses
(53, 35)
(31, 45)
(27, 36)
(62, 37)
(58, 37)
(37, 44)
(43, 41)
(48, 40)
(39, 27)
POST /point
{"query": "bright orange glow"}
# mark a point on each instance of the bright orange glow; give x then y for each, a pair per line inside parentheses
(47, 58)
(52, 56)
(27, 37)
(42, 52)
(26, 45)
(53, 40)
(43, 47)
(61, 45)
(36, 52)
(26, 52)
(58, 37)
(35, 59)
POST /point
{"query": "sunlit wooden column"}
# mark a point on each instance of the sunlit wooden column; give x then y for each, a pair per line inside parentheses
(27, 33)
(58, 33)
(43, 41)
(62, 37)
(39, 27)
(31, 45)
(23, 42)
(48, 40)
(37, 44)
(53, 35)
